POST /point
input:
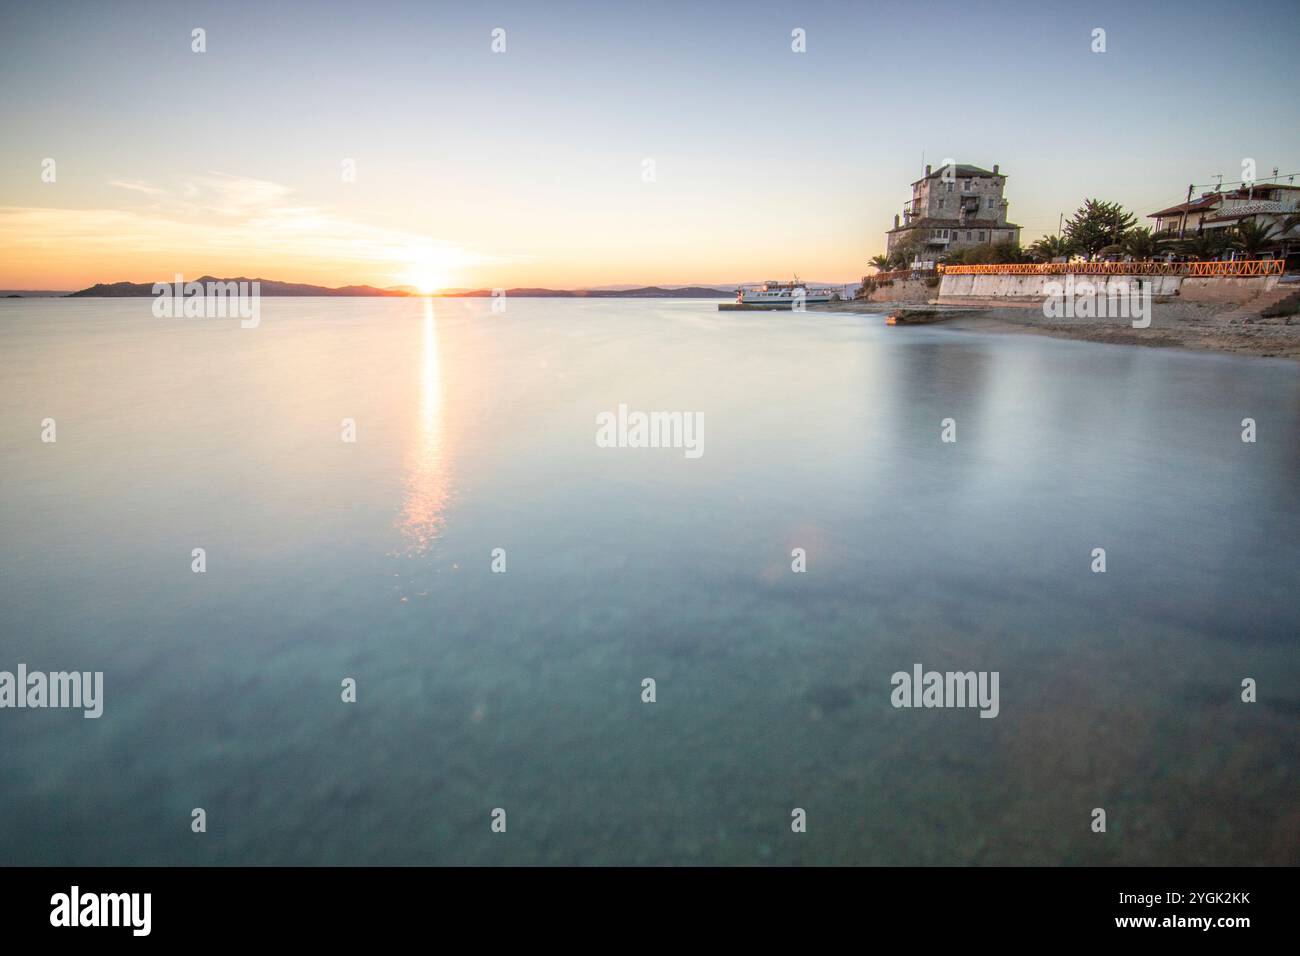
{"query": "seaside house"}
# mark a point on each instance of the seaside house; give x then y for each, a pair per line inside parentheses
(953, 207)
(1269, 204)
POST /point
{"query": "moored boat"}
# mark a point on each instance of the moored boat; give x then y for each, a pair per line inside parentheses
(783, 294)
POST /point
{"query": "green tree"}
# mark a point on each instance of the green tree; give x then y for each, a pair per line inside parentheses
(972, 256)
(1097, 224)
(1252, 238)
(880, 263)
(1207, 245)
(1142, 243)
(998, 253)
(1009, 251)
(905, 251)
(1051, 247)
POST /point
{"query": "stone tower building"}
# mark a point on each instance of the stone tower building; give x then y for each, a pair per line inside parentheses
(953, 207)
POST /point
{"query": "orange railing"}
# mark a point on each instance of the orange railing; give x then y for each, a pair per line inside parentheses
(1074, 268)
(1240, 267)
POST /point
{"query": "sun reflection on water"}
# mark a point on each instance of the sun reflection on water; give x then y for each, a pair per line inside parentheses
(427, 484)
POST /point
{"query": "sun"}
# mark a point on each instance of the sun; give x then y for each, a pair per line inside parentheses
(426, 280)
(427, 274)
(430, 267)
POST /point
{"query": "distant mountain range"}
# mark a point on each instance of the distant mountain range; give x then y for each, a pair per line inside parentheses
(271, 287)
(113, 290)
(644, 292)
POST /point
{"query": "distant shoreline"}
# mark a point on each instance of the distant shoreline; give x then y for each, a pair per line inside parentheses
(272, 287)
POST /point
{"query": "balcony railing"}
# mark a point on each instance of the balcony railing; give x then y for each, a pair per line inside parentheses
(1239, 268)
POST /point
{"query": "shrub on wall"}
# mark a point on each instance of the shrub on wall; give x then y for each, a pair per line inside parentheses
(999, 253)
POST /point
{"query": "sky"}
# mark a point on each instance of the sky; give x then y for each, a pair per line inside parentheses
(609, 143)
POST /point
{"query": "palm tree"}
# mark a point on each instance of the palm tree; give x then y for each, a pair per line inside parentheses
(1207, 245)
(1252, 238)
(1143, 244)
(1288, 234)
(1051, 247)
(880, 263)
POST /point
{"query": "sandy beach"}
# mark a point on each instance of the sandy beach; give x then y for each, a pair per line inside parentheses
(1173, 325)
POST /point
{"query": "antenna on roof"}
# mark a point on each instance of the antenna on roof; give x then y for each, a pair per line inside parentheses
(1218, 187)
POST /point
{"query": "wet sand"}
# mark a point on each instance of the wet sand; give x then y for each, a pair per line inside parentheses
(1173, 325)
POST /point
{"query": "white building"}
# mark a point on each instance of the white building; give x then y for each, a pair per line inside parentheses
(1264, 203)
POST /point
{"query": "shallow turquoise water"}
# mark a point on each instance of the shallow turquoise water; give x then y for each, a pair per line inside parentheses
(522, 690)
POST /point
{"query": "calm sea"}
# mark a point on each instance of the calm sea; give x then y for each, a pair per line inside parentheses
(522, 690)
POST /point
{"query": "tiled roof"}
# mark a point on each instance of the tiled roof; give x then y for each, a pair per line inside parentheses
(1210, 200)
(1260, 207)
(1205, 202)
(961, 171)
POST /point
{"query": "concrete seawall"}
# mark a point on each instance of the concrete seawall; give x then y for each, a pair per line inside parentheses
(904, 290)
(1228, 290)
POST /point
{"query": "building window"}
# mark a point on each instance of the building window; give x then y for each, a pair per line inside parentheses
(941, 202)
(968, 235)
(990, 203)
(967, 184)
(980, 237)
(949, 187)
